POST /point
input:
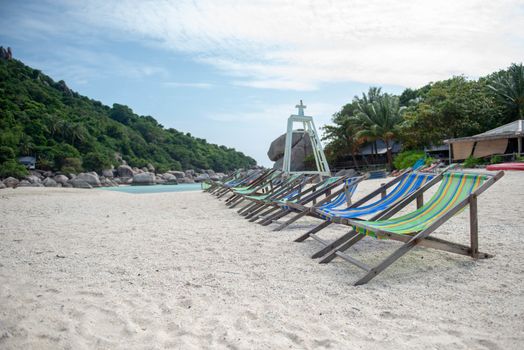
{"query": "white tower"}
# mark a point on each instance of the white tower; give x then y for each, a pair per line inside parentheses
(309, 128)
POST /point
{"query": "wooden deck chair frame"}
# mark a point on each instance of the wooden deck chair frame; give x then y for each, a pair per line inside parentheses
(417, 195)
(422, 238)
(252, 183)
(260, 186)
(304, 196)
(256, 204)
(300, 209)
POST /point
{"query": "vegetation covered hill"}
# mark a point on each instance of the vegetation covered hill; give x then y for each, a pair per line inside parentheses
(445, 109)
(67, 131)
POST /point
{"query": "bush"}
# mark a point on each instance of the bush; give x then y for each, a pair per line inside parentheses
(407, 159)
(12, 168)
(71, 165)
(471, 162)
(96, 161)
(6, 153)
(496, 159)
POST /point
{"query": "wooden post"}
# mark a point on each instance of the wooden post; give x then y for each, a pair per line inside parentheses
(473, 226)
(420, 201)
(383, 192)
(519, 146)
(449, 149)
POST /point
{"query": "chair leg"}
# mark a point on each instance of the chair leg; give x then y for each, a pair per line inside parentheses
(256, 211)
(349, 240)
(263, 214)
(312, 231)
(473, 227)
(292, 220)
(269, 220)
(335, 245)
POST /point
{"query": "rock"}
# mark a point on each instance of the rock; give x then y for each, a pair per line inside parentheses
(160, 181)
(91, 178)
(49, 182)
(33, 179)
(11, 182)
(301, 148)
(79, 183)
(178, 174)
(107, 172)
(36, 173)
(2, 186)
(48, 174)
(346, 172)
(150, 168)
(25, 183)
(144, 179)
(221, 175)
(61, 179)
(185, 180)
(210, 172)
(201, 177)
(125, 171)
(170, 179)
(190, 173)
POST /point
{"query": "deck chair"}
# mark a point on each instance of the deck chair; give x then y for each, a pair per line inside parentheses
(401, 187)
(456, 191)
(292, 184)
(337, 199)
(261, 185)
(276, 209)
(211, 186)
(250, 180)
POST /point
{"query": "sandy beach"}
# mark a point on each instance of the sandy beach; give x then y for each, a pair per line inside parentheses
(94, 269)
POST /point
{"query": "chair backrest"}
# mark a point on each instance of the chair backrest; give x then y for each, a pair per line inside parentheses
(409, 183)
(344, 197)
(454, 188)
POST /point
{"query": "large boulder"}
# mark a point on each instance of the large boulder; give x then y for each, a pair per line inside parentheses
(27, 183)
(201, 177)
(79, 183)
(11, 182)
(61, 179)
(91, 178)
(190, 173)
(2, 186)
(300, 149)
(150, 168)
(210, 172)
(49, 182)
(33, 179)
(178, 174)
(185, 180)
(170, 179)
(145, 178)
(125, 171)
(107, 172)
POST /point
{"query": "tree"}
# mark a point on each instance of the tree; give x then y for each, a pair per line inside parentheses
(508, 86)
(378, 117)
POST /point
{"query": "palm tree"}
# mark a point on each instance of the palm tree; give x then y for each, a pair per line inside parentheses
(379, 118)
(509, 87)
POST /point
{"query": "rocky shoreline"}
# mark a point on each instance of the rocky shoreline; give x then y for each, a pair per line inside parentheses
(123, 175)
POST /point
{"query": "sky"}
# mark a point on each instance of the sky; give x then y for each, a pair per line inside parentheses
(231, 72)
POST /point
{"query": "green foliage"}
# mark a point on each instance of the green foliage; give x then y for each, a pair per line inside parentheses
(71, 165)
(96, 161)
(508, 87)
(496, 159)
(6, 153)
(12, 168)
(44, 118)
(471, 162)
(407, 159)
(519, 158)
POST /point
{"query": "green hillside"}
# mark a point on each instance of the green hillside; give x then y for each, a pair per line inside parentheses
(68, 131)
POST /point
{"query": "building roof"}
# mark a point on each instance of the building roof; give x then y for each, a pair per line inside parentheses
(367, 148)
(510, 130)
(27, 159)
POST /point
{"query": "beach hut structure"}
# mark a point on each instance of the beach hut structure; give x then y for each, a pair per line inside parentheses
(28, 161)
(505, 139)
(308, 126)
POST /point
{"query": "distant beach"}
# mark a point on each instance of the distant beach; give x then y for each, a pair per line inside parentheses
(86, 269)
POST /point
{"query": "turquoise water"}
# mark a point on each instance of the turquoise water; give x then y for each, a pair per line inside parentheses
(155, 188)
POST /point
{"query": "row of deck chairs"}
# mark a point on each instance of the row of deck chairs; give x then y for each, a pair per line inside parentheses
(272, 195)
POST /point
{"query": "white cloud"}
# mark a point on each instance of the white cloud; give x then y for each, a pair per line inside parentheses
(298, 45)
(177, 84)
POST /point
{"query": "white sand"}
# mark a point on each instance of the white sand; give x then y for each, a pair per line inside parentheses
(84, 269)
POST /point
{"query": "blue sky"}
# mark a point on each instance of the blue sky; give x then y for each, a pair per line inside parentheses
(232, 71)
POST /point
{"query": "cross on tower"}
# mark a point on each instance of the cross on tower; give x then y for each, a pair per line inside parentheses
(300, 108)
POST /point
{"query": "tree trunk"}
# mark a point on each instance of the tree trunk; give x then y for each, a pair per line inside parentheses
(389, 155)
